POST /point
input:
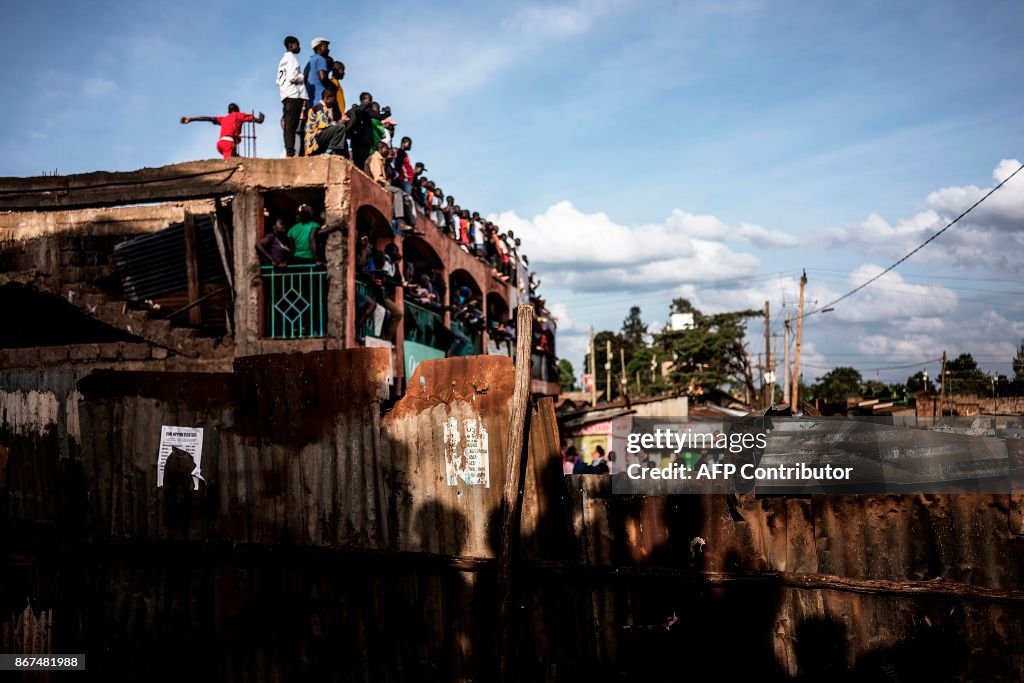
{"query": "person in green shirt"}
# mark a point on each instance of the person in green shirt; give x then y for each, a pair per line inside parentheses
(303, 235)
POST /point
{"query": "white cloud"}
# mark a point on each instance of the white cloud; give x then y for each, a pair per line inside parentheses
(555, 20)
(591, 252)
(990, 236)
(763, 237)
(98, 87)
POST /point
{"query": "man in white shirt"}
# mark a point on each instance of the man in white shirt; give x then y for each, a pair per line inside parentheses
(478, 235)
(291, 84)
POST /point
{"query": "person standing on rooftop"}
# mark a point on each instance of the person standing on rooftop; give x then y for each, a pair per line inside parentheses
(292, 86)
(403, 166)
(361, 132)
(337, 76)
(230, 128)
(317, 70)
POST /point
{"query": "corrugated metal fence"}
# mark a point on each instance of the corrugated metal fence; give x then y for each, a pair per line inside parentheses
(329, 542)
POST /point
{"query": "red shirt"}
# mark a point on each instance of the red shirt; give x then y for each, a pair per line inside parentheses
(231, 124)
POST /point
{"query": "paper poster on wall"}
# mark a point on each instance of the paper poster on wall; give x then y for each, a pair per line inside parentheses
(188, 439)
(467, 453)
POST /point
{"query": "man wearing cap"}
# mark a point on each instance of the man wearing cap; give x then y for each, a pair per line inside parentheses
(317, 71)
(292, 86)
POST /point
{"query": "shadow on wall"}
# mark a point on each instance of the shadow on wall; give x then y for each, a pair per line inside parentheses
(934, 652)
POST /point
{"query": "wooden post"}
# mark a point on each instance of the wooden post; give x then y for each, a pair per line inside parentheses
(593, 370)
(623, 379)
(512, 495)
(195, 314)
(799, 340)
(766, 388)
(942, 388)
(785, 361)
(608, 369)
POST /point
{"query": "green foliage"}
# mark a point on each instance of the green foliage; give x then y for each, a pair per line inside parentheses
(1018, 363)
(566, 375)
(838, 384)
(711, 354)
(920, 382)
(634, 329)
(963, 376)
(601, 351)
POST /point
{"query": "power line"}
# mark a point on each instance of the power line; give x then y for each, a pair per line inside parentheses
(909, 283)
(936, 295)
(926, 276)
(918, 247)
(881, 368)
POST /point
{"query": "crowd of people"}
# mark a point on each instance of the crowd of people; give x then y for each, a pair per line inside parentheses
(574, 463)
(315, 121)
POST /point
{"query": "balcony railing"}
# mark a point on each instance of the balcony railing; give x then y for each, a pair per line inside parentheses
(368, 328)
(294, 301)
(466, 349)
(422, 325)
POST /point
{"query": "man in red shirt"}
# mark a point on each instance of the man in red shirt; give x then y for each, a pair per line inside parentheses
(230, 127)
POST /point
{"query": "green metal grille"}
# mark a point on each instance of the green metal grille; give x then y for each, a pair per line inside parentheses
(366, 329)
(421, 325)
(295, 301)
(473, 348)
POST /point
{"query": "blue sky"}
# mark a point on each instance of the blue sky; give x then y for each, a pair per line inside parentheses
(641, 149)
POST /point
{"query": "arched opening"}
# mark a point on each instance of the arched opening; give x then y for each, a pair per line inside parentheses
(372, 223)
(373, 234)
(468, 322)
(500, 328)
(419, 261)
(425, 299)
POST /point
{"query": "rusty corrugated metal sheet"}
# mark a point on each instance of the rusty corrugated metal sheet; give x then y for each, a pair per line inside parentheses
(329, 544)
(153, 266)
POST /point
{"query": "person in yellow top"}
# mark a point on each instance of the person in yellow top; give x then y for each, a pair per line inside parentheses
(375, 166)
(401, 204)
(337, 75)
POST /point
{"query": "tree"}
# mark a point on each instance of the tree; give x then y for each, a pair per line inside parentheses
(873, 388)
(634, 329)
(566, 375)
(681, 305)
(601, 340)
(1018, 363)
(965, 377)
(920, 382)
(837, 385)
(711, 354)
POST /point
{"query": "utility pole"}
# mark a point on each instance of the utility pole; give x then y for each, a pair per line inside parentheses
(608, 369)
(796, 354)
(775, 361)
(785, 361)
(763, 382)
(942, 387)
(768, 393)
(593, 370)
(623, 380)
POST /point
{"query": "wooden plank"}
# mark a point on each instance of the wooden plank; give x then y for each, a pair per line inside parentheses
(195, 313)
(511, 503)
